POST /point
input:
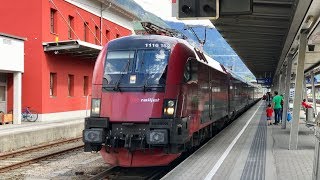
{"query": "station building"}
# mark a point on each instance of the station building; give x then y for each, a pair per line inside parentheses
(61, 40)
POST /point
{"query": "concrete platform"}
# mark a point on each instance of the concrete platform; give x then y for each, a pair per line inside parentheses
(249, 149)
(13, 137)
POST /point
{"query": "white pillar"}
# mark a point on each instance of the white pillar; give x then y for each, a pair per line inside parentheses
(294, 131)
(313, 93)
(279, 82)
(287, 91)
(305, 89)
(17, 96)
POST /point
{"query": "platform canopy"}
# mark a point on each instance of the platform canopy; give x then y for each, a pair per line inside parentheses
(74, 48)
(263, 38)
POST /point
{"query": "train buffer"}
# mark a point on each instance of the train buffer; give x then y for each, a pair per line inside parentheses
(249, 149)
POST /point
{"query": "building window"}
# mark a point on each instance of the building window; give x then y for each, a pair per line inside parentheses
(107, 35)
(70, 27)
(2, 93)
(97, 34)
(53, 84)
(85, 85)
(86, 31)
(53, 21)
(117, 35)
(70, 85)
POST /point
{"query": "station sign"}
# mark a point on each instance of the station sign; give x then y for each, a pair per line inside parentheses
(308, 80)
(264, 81)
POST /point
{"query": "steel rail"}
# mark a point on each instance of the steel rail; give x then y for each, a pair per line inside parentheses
(37, 159)
(34, 148)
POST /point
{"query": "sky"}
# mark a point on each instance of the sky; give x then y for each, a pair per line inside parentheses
(163, 9)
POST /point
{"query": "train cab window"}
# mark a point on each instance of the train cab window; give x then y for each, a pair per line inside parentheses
(192, 67)
(187, 71)
(118, 62)
(139, 70)
(117, 65)
(152, 64)
(151, 61)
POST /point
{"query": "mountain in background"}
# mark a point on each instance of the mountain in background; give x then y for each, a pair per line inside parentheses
(215, 46)
(136, 9)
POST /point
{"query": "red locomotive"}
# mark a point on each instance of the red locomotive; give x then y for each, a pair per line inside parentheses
(154, 97)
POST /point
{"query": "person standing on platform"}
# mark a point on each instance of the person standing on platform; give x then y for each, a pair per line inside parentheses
(276, 104)
(281, 111)
(305, 104)
(268, 98)
(269, 112)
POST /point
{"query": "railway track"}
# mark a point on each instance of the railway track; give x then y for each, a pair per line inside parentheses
(17, 159)
(144, 173)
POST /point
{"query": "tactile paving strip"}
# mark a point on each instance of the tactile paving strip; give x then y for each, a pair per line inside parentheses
(255, 164)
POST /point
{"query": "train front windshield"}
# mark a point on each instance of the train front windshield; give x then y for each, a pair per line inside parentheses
(136, 70)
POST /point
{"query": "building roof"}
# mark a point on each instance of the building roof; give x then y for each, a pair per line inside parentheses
(12, 36)
(118, 8)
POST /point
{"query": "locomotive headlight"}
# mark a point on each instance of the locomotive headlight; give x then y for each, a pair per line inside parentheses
(169, 107)
(170, 110)
(170, 103)
(95, 107)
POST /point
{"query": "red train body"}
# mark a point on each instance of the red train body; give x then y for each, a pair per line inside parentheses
(154, 97)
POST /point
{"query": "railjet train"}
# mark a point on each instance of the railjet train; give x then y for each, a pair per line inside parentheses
(154, 97)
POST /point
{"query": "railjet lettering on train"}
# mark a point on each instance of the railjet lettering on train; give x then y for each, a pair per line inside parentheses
(150, 100)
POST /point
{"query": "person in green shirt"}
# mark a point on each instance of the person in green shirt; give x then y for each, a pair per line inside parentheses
(276, 102)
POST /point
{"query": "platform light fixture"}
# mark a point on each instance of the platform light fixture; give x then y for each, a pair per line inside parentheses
(308, 23)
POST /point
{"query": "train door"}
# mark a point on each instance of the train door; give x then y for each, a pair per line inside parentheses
(204, 92)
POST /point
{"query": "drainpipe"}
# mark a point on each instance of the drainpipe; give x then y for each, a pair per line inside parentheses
(101, 23)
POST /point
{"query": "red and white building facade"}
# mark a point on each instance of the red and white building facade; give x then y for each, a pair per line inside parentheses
(61, 39)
